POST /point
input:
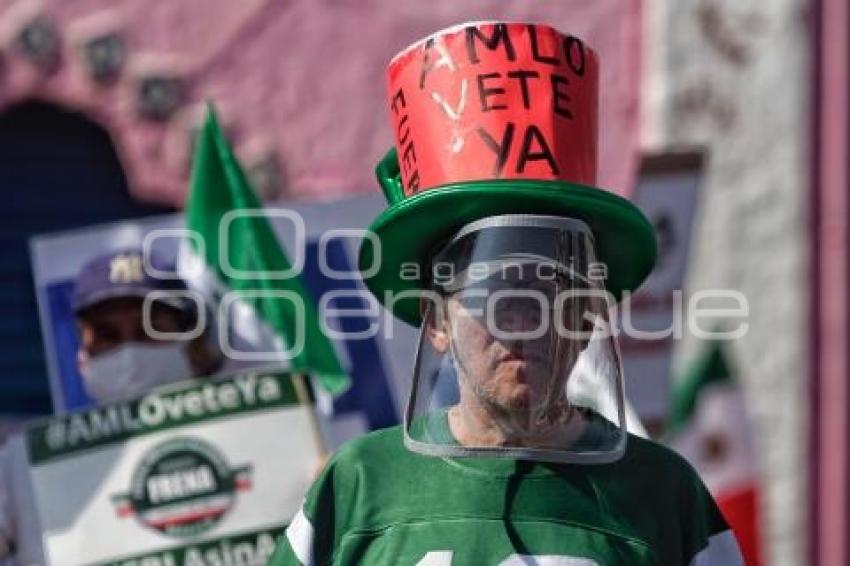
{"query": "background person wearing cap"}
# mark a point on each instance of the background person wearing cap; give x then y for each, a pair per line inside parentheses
(117, 357)
(492, 180)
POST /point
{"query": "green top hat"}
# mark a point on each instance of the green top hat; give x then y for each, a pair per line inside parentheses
(491, 119)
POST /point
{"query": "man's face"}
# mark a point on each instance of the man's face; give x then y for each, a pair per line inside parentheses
(506, 344)
(114, 322)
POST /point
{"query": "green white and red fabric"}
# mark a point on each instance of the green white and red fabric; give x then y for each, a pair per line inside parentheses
(709, 425)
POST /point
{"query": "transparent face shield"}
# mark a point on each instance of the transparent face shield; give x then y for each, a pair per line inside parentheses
(517, 357)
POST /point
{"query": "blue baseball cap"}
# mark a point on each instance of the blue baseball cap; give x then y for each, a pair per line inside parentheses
(121, 274)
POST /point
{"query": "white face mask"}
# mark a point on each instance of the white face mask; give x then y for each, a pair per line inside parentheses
(132, 369)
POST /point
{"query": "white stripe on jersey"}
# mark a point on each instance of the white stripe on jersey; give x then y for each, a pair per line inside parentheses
(300, 534)
(722, 550)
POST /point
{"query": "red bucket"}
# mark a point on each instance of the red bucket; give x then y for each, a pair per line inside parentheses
(488, 101)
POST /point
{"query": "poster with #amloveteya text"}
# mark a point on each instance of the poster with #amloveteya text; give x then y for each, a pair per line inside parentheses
(202, 473)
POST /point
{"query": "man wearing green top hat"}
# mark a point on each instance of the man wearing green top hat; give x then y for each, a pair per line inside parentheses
(499, 246)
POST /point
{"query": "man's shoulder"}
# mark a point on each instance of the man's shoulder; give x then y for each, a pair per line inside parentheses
(651, 455)
(375, 440)
(657, 473)
(374, 452)
(375, 467)
(666, 478)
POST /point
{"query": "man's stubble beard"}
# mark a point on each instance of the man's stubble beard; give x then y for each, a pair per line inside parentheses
(521, 420)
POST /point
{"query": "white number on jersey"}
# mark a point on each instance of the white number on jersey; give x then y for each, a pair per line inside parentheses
(444, 558)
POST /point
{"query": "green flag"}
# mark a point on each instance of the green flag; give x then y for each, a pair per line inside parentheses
(710, 426)
(243, 259)
(710, 368)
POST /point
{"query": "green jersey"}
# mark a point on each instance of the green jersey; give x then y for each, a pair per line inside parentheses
(378, 503)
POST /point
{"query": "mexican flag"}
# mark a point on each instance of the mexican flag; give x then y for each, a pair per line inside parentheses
(235, 259)
(709, 425)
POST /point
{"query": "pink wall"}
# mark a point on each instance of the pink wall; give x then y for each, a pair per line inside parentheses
(829, 544)
(299, 80)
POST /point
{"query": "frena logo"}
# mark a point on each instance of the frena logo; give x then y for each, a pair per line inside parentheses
(182, 487)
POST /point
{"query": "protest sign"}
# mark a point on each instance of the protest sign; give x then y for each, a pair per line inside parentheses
(204, 472)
